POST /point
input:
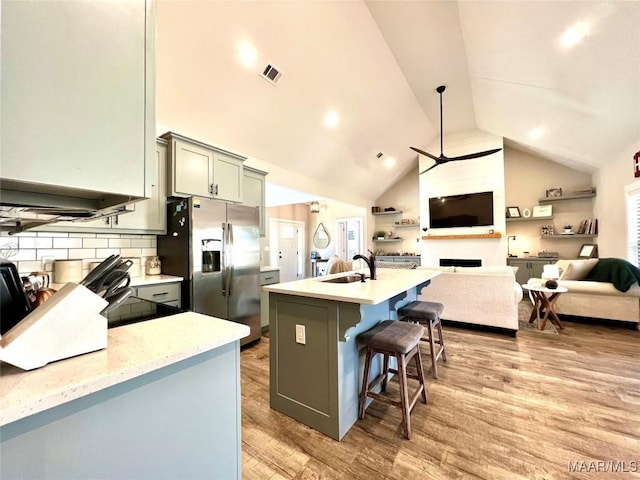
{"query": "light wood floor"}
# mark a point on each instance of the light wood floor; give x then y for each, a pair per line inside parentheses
(503, 408)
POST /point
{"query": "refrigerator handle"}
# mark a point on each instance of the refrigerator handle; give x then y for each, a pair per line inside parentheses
(231, 264)
(225, 253)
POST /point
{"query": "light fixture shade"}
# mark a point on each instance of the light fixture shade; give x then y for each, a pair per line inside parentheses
(314, 207)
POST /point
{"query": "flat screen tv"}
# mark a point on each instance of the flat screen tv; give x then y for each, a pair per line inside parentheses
(468, 210)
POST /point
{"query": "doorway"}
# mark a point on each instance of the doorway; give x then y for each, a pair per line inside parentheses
(286, 246)
(349, 238)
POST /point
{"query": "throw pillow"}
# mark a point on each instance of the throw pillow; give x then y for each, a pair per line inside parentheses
(578, 269)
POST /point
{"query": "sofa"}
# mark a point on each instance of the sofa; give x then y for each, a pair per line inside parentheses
(598, 288)
(486, 296)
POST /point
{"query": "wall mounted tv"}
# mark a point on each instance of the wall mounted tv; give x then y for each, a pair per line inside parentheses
(468, 210)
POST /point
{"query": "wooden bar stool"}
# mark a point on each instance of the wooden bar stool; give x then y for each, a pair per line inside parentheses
(402, 341)
(427, 313)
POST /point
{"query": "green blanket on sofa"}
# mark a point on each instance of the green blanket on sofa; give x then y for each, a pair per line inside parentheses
(615, 270)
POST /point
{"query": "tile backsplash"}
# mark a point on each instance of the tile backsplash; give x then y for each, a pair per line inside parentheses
(34, 251)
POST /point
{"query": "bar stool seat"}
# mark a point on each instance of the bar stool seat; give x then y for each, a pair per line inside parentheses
(402, 341)
(427, 313)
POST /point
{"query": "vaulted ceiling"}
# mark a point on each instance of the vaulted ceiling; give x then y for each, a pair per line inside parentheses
(377, 64)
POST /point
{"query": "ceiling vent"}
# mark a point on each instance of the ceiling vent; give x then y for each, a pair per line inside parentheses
(271, 74)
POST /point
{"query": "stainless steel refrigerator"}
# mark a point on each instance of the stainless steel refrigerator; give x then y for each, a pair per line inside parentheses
(215, 247)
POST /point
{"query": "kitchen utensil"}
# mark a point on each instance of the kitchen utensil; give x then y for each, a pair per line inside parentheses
(104, 267)
(112, 282)
(134, 271)
(116, 299)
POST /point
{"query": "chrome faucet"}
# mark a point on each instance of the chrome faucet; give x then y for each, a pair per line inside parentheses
(371, 262)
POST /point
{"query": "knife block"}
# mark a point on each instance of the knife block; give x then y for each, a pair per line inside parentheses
(67, 324)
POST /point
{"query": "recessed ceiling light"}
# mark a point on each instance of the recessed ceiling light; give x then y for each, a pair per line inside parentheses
(247, 54)
(537, 132)
(389, 162)
(331, 119)
(574, 34)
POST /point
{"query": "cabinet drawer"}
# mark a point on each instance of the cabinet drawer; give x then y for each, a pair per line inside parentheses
(162, 293)
(268, 278)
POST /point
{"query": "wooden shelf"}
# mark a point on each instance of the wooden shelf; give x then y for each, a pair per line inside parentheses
(388, 240)
(566, 197)
(575, 235)
(393, 212)
(528, 219)
(464, 237)
(405, 225)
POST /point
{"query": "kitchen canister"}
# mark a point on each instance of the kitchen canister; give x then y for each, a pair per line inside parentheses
(153, 266)
(65, 271)
(134, 269)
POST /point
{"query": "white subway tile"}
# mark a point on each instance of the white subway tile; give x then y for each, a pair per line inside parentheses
(83, 253)
(36, 242)
(52, 234)
(83, 235)
(56, 253)
(24, 254)
(149, 252)
(26, 267)
(131, 252)
(119, 243)
(141, 242)
(95, 242)
(106, 252)
(67, 242)
(154, 241)
(128, 235)
(107, 235)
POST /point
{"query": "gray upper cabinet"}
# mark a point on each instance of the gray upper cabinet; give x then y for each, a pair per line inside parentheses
(197, 169)
(146, 216)
(254, 190)
(78, 101)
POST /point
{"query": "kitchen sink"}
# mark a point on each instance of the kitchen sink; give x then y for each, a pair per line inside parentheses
(344, 279)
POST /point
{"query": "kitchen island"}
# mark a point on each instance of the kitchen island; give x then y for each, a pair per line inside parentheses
(161, 401)
(316, 365)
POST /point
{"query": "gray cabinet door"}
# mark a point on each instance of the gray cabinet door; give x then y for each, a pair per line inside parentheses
(253, 190)
(192, 170)
(227, 178)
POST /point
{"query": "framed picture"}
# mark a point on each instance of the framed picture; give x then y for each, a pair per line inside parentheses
(542, 210)
(588, 251)
(554, 192)
(513, 212)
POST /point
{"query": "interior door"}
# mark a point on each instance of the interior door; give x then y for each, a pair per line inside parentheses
(286, 250)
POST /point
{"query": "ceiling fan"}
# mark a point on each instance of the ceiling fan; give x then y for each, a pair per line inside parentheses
(443, 158)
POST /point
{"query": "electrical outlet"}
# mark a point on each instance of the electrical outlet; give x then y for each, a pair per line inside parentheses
(300, 334)
(47, 263)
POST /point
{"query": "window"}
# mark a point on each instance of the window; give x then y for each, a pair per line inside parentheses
(633, 223)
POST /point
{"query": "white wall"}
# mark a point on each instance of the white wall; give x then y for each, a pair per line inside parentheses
(527, 177)
(404, 196)
(330, 213)
(465, 176)
(610, 205)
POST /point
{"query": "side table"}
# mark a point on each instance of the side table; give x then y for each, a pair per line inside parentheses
(544, 307)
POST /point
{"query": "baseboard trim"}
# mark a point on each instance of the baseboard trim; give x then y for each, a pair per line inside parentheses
(483, 328)
(598, 321)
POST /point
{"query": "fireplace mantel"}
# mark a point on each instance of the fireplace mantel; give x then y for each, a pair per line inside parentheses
(464, 237)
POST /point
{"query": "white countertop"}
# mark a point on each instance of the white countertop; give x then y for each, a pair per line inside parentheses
(133, 350)
(389, 283)
(268, 268)
(153, 279)
(140, 281)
